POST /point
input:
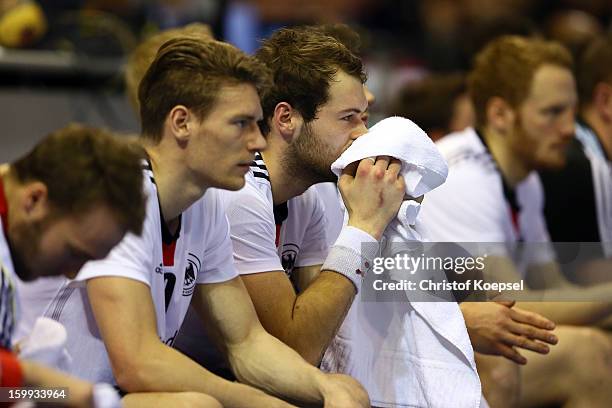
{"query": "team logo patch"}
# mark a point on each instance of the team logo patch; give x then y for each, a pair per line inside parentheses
(288, 257)
(191, 273)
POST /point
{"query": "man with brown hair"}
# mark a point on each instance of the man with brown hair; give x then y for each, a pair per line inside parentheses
(524, 96)
(68, 201)
(199, 105)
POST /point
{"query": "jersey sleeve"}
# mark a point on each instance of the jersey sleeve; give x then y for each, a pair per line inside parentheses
(468, 207)
(252, 231)
(217, 264)
(315, 244)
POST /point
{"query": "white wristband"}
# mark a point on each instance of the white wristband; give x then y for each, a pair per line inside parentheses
(105, 396)
(352, 255)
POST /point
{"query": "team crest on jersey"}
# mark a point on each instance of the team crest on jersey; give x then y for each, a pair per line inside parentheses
(288, 256)
(191, 273)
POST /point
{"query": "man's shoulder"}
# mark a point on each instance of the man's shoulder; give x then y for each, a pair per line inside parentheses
(464, 149)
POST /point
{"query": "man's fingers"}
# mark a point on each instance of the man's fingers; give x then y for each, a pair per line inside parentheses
(533, 332)
(525, 343)
(394, 168)
(507, 303)
(533, 319)
(511, 354)
(382, 162)
(351, 169)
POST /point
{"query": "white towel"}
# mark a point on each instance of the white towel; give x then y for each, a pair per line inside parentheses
(46, 344)
(415, 354)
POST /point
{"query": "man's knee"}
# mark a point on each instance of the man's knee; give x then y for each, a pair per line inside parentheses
(500, 380)
(590, 355)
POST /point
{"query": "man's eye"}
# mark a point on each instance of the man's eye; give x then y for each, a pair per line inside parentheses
(347, 118)
(554, 111)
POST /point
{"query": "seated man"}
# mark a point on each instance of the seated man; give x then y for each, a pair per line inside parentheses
(437, 103)
(589, 163)
(524, 96)
(70, 200)
(199, 108)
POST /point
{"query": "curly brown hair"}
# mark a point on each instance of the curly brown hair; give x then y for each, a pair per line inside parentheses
(304, 61)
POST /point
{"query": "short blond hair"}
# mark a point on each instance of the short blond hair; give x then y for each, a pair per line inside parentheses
(506, 67)
(141, 58)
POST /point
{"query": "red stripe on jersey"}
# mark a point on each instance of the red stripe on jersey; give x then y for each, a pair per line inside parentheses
(168, 251)
(515, 221)
(278, 230)
(3, 208)
(12, 375)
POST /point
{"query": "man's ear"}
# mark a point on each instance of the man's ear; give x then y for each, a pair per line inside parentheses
(500, 115)
(180, 122)
(602, 100)
(287, 121)
(34, 200)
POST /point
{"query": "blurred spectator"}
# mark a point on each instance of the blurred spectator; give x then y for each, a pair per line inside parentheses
(22, 23)
(438, 103)
(574, 29)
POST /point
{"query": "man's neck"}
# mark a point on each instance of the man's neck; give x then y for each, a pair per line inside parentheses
(286, 182)
(602, 129)
(513, 169)
(175, 187)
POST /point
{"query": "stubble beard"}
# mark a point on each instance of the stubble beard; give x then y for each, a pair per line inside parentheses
(25, 244)
(308, 159)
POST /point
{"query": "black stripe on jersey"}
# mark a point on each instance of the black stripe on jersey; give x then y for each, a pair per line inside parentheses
(571, 211)
(281, 212)
(509, 193)
(63, 297)
(258, 167)
(259, 161)
(4, 310)
(261, 175)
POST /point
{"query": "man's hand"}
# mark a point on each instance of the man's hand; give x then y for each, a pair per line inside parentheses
(496, 328)
(372, 193)
(340, 391)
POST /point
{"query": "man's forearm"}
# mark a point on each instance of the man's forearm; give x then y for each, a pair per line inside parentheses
(265, 362)
(164, 369)
(79, 391)
(317, 314)
(573, 313)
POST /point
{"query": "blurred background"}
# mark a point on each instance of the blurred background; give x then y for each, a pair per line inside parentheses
(61, 60)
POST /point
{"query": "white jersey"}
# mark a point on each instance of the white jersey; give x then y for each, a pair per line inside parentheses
(199, 253)
(333, 209)
(8, 279)
(475, 206)
(265, 238)
(274, 238)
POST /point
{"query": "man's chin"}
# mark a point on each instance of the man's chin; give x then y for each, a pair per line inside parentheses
(233, 185)
(552, 164)
(25, 274)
